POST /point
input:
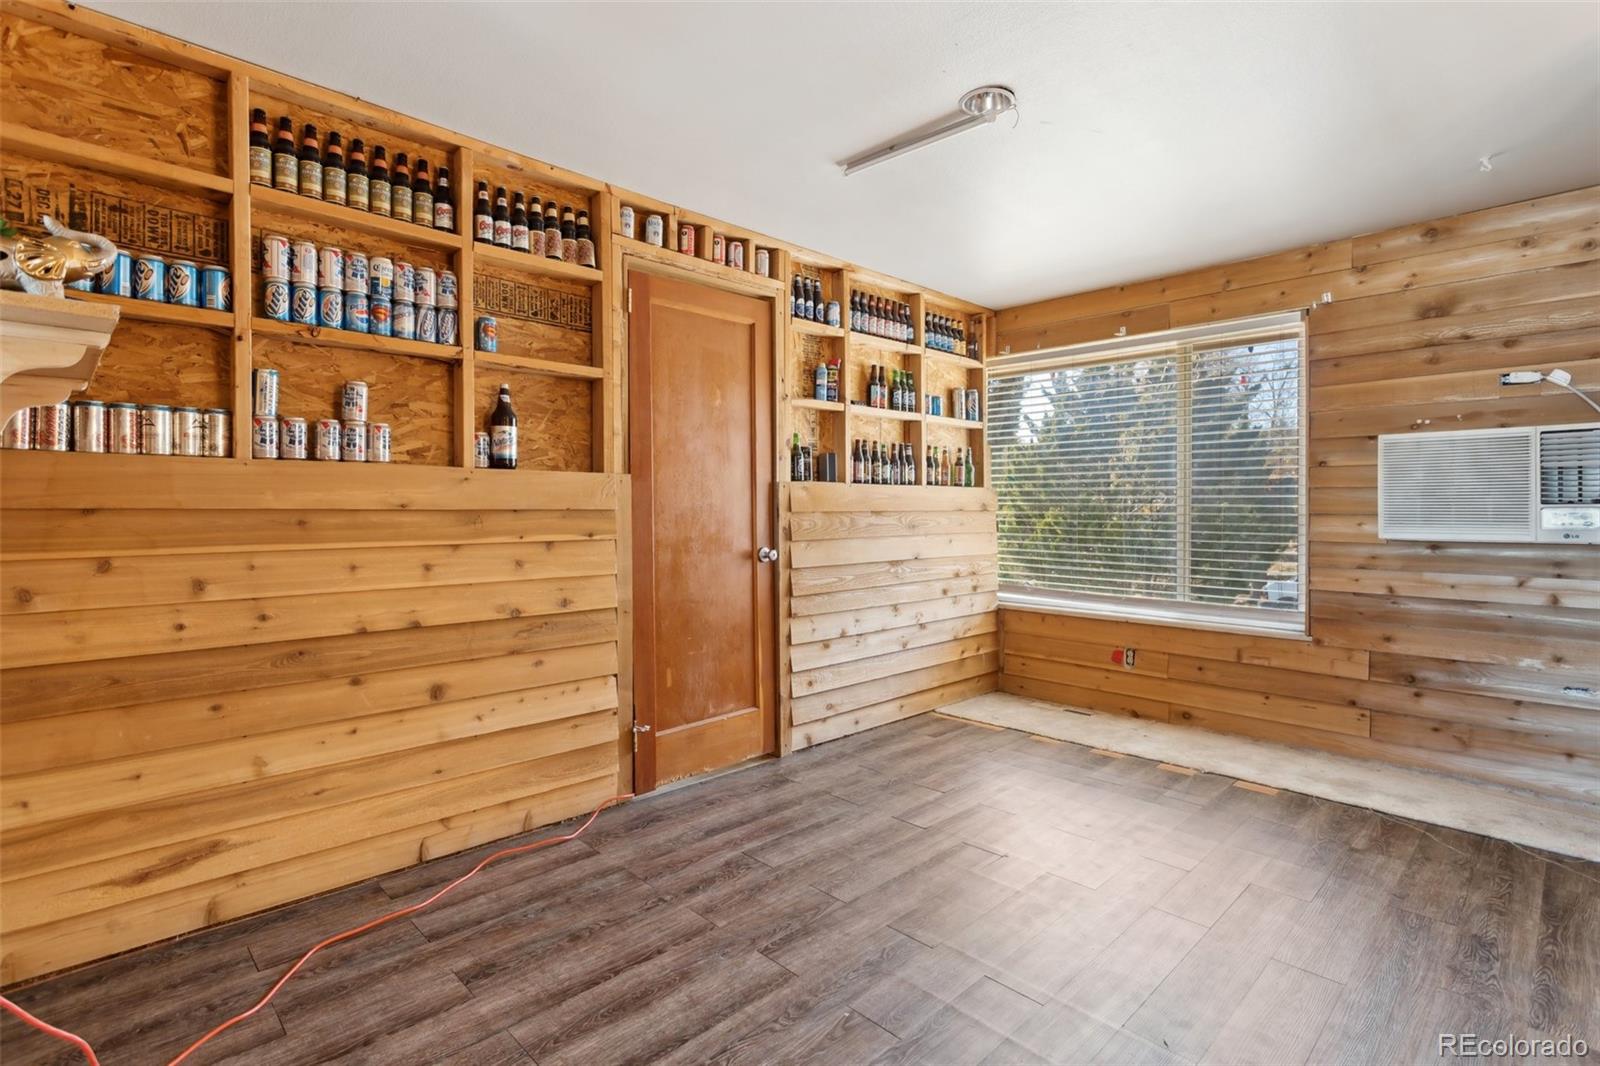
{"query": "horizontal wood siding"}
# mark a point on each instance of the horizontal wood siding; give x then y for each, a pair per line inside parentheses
(891, 604)
(208, 714)
(1478, 659)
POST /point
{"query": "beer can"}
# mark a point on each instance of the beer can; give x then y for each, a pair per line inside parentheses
(719, 248)
(380, 317)
(183, 283)
(292, 438)
(380, 277)
(79, 284)
(264, 437)
(449, 326)
(275, 299)
(627, 221)
(736, 255)
(150, 278)
(116, 279)
(188, 431)
(330, 268)
(353, 442)
(155, 429)
(52, 427)
(275, 256)
(428, 323)
(378, 442)
(480, 450)
(958, 403)
(122, 420)
(19, 430)
(655, 230)
(974, 406)
(327, 443)
(303, 263)
(216, 289)
(89, 426)
(686, 238)
(355, 272)
(355, 312)
(266, 392)
(303, 304)
(353, 401)
(488, 334)
(405, 321)
(405, 282)
(447, 288)
(763, 262)
(833, 312)
(330, 308)
(217, 432)
(425, 289)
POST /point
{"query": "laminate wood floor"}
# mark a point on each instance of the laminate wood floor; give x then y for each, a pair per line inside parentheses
(929, 892)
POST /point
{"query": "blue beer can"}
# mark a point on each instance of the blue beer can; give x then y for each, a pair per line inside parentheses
(488, 336)
(275, 299)
(449, 326)
(428, 324)
(355, 311)
(216, 289)
(380, 317)
(150, 278)
(303, 304)
(116, 279)
(80, 284)
(183, 283)
(405, 320)
(330, 308)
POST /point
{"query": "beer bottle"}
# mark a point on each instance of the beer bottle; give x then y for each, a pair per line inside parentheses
(819, 302)
(356, 187)
(959, 473)
(797, 302)
(858, 463)
(552, 231)
(877, 464)
(260, 149)
(482, 216)
(285, 163)
(855, 313)
(892, 461)
(400, 201)
(569, 234)
(808, 464)
(502, 218)
(503, 432)
(794, 458)
(310, 163)
(422, 195)
(928, 477)
(334, 179)
(380, 191)
(535, 226)
(944, 468)
(808, 308)
(972, 471)
(911, 392)
(585, 242)
(444, 202)
(519, 224)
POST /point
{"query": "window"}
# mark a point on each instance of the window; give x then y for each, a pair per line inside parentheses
(1158, 476)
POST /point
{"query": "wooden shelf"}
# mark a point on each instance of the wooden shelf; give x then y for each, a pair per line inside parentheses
(344, 338)
(289, 203)
(816, 405)
(872, 340)
(817, 329)
(494, 255)
(15, 138)
(529, 364)
(882, 412)
(951, 358)
(958, 423)
(152, 311)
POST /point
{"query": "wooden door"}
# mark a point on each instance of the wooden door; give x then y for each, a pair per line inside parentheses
(700, 450)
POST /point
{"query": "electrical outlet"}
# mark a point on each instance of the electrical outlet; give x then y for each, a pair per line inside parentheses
(1520, 377)
(1127, 658)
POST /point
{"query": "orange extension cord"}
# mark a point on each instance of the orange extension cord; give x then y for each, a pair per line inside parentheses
(88, 1052)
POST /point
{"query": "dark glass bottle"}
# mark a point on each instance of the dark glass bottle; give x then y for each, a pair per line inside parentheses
(357, 187)
(586, 256)
(519, 223)
(260, 149)
(502, 218)
(400, 198)
(552, 231)
(535, 226)
(422, 195)
(335, 181)
(285, 161)
(482, 215)
(380, 191)
(797, 302)
(503, 432)
(444, 202)
(310, 163)
(569, 234)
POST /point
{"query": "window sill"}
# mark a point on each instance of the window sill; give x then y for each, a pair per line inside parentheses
(1292, 627)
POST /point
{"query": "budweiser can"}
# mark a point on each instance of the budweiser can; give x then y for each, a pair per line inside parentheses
(686, 238)
(275, 257)
(428, 323)
(405, 282)
(266, 393)
(292, 438)
(719, 248)
(19, 430)
(89, 426)
(447, 288)
(405, 320)
(356, 311)
(123, 421)
(355, 272)
(353, 442)
(275, 299)
(303, 263)
(155, 429)
(188, 431)
(218, 432)
(330, 268)
(449, 326)
(303, 304)
(264, 436)
(52, 427)
(480, 450)
(353, 401)
(736, 255)
(380, 277)
(150, 278)
(327, 442)
(330, 308)
(426, 287)
(183, 283)
(378, 442)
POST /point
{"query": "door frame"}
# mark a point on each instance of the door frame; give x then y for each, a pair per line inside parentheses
(646, 260)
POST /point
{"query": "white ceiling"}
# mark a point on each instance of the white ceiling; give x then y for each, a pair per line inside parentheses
(1152, 138)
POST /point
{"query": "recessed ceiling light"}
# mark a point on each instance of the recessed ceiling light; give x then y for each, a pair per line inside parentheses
(979, 107)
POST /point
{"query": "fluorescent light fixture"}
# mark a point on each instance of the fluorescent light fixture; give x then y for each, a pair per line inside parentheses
(979, 107)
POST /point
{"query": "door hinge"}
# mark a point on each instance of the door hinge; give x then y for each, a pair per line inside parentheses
(637, 729)
(630, 301)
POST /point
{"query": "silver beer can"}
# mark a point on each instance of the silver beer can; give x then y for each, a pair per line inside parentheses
(405, 282)
(378, 442)
(275, 257)
(405, 320)
(428, 323)
(188, 431)
(426, 287)
(480, 450)
(123, 421)
(19, 430)
(292, 438)
(353, 442)
(447, 288)
(627, 221)
(266, 393)
(353, 401)
(449, 325)
(303, 263)
(218, 438)
(89, 431)
(330, 268)
(264, 437)
(155, 429)
(355, 272)
(52, 427)
(327, 444)
(380, 277)
(763, 262)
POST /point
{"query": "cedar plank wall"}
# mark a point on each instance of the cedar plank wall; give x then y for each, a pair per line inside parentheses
(1455, 657)
(208, 713)
(891, 604)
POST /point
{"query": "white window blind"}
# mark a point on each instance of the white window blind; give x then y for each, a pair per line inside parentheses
(1155, 476)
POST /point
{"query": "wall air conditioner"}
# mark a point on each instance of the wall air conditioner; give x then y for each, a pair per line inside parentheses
(1540, 483)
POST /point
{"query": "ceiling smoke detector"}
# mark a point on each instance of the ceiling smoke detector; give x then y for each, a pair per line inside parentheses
(979, 107)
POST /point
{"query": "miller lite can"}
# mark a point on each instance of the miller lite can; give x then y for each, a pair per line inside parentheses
(150, 278)
(327, 439)
(378, 442)
(275, 299)
(330, 308)
(183, 283)
(303, 304)
(116, 279)
(275, 256)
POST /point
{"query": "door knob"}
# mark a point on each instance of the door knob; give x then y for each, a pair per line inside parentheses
(766, 555)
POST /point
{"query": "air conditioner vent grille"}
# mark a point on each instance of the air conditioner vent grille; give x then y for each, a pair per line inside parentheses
(1472, 485)
(1569, 466)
